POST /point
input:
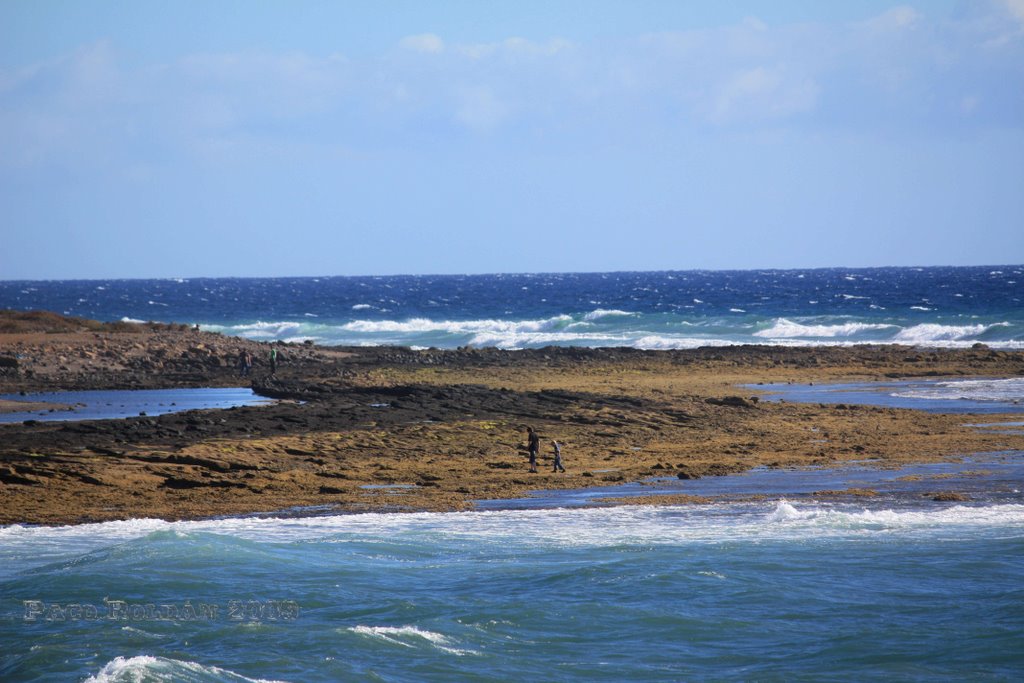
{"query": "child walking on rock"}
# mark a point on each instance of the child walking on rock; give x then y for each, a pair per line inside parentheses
(558, 457)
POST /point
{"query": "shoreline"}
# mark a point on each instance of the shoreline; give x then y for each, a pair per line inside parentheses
(435, 430)
(609, 497)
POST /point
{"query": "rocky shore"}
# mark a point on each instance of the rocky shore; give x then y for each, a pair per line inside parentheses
(393, 429)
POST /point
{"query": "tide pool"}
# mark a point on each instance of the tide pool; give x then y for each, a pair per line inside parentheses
(983, 396)
(111, 404)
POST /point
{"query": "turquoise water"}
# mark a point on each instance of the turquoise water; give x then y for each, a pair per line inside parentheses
(768, 591)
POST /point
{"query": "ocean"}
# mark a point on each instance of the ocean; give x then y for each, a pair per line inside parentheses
(894, 587)
(949, 307)
(763, 591)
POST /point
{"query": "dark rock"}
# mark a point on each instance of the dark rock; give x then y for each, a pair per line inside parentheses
(9, 476)
(949, 497)
(730, 401)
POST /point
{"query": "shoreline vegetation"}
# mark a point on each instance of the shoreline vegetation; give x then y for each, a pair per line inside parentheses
(392, 429)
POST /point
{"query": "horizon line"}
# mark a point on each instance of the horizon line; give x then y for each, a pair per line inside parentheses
(512, 274)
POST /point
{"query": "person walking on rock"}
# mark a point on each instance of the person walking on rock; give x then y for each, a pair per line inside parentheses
(558, 457)
(273, 361)
(534, 446)
(245, 364)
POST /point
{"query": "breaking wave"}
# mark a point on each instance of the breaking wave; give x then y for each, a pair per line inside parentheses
(608, 328)
(598, 527)
(411, 637)
(787, 329)
(931, 332)
(147, 668)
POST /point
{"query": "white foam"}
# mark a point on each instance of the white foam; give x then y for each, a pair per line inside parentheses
(787, 329)
(126, 319)
(487, 326)
(261, 330)
(410, 636)
(519, 340)
(956, 522)
(148, 668)
(589, 527)
(602, 313)
(653, 342)
(506, 334)
(712, 574)
(783, 512)
(932, 332)
(612, 327)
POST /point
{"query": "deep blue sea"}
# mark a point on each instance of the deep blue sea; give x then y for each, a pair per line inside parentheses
(916, 306)
(897, 587)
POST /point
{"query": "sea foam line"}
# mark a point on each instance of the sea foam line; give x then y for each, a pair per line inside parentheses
(555, 527)
(609, 328)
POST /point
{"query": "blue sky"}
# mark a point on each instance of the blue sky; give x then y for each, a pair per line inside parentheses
(165, 139)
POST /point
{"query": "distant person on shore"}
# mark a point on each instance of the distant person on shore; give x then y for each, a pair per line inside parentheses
(244, 364)
(273, 360)
(534, 445)
(558, 457)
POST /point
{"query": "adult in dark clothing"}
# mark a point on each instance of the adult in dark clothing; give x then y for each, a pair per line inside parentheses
(534, 445)
(245, 364)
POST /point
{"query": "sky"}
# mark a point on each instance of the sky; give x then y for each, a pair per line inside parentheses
(145, 138)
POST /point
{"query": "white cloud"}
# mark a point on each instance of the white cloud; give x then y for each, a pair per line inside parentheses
(1015, 8)
(479, 108)
(514, 47)
(761, 93)
(424, 42)
(895, 19)
(875, 76)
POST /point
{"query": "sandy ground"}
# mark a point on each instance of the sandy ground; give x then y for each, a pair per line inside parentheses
(435, 430)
